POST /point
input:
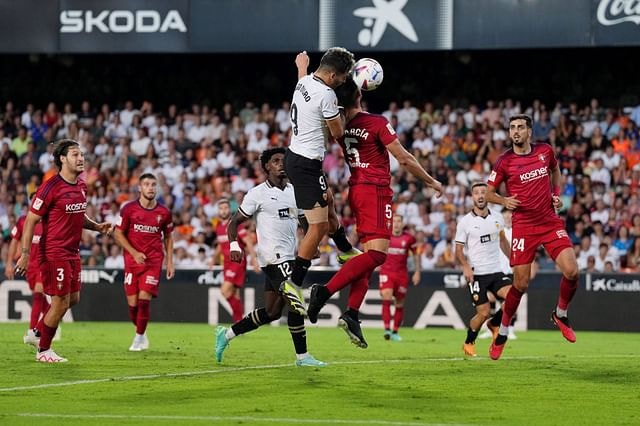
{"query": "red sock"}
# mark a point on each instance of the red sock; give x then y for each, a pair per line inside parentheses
(567, 290)
(46, 335)
(398, 316)
(358, 291)
(510, 305)
(355, 269)
(144, 308)
(133, 314)
(37, 307)
(237, 312)
(386, 314)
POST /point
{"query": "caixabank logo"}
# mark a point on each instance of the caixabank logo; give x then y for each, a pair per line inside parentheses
(611, 284)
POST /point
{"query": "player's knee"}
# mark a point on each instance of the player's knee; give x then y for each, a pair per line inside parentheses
(378, 257)
(572, 273)
(273, 314)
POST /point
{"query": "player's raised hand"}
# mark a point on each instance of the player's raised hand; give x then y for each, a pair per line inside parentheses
(302, 60)
(512, 202)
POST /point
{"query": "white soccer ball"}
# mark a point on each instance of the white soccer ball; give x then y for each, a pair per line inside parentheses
(367, 74)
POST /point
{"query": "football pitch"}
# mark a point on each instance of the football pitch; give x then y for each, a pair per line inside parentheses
(423, 380)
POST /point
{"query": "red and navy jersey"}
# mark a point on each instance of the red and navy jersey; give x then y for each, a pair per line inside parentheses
(223, 239)
(62, 206)
(400, 246)
(16, 234)
(145, 230)
(364, 144)
(528, 177)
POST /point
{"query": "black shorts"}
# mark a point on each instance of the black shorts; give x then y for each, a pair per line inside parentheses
(308, 180)
(275, 274)
(483, 283)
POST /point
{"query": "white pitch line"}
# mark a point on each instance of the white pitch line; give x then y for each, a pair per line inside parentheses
(273, 366)
(233, 418)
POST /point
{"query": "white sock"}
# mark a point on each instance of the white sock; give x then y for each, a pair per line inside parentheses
(139, 336)
(562, 313)
(504, 330)
(302, 356)
(230, 334)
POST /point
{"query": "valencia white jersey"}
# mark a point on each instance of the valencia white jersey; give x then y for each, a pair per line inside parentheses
(481, 236)
(504, 259)
(276, 216)
(313, 103)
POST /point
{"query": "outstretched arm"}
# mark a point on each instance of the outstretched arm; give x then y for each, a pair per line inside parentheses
(302, 63)
(408, 162)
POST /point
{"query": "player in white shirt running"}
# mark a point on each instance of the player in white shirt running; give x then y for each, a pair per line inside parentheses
(481, 231)
(273, 206)
(314, 117)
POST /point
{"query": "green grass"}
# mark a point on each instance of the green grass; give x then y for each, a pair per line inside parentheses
(421, 380)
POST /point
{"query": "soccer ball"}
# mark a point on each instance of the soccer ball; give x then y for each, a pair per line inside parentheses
(367, 74)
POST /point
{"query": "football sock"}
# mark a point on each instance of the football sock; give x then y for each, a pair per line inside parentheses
(236, 308)
(253, 320)
(471, 335)
(144, 308)
(300, 268)
(340, 238)
(133, 314)
(295, 321)
(509, 307)
(355, 269)
(398, 316)
(567, 290)
(46, 336)
(39, 300)
(496, 318)
(353, 313)
(501, 339)
(386, 314)
(358, 291)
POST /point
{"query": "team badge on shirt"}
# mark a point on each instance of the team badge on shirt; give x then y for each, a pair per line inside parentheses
(541, 157)
(159, 218)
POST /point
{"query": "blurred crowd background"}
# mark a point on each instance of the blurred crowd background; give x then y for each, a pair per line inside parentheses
(200, 122)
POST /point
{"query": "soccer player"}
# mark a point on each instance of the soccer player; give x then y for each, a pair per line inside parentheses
(314, 113)
(234, 273)
(532, 178)
(143, 230)
(60, 203)
(367, 141)
(481, 231)
(39, 303)
(273, 206)
(394, 276)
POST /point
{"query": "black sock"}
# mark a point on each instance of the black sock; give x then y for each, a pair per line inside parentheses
(496, 318)
(501, 340)
(471, 335)
(340, 238)
(513, 319)
(323, 294)
(300, 268)
(253, 320)
(295, 321)
(352, 313)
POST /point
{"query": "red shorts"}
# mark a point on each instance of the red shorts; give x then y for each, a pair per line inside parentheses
(399, 283)
(61, 277)
(139, 278)
(34, 276)
(235, 273)
(526, 239)
(371, 205)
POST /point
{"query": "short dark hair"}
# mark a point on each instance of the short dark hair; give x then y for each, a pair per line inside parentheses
(478, 183)
(266, 155)
(147, 176)
(348, 93)
(61, 148)
(337, 59)
(526, 117)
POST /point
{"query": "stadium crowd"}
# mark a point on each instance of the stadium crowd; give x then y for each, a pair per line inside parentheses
(204, 153)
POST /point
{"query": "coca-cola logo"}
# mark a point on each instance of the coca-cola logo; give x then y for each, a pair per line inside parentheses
(613, 12)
